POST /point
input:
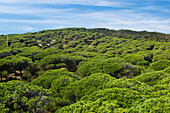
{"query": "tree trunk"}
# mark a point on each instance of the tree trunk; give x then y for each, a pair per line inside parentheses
(21, 73)
(1, 75)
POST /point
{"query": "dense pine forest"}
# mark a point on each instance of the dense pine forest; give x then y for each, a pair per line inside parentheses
(78, 70)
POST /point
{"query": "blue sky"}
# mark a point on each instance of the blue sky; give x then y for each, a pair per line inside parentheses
(21, 16)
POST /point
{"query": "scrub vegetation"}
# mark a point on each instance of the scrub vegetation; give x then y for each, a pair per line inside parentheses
(78, 70)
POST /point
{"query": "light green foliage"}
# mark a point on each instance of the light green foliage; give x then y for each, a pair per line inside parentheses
(167, 70)
(61, 65)
(162, 55)
(108, 66)
(43, 53)
(98, 106)
(152, 105)
(160, 90)
(48, 77)
(131, 84)
(124, 97)
(115, 67)
(8, 88)
(165, 81)
(84, 69)
(151, 78)
(159, 65)
(85, 86)
(61, 82)
(136, 59)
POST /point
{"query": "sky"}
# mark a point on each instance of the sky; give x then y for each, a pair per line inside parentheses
(22, 16)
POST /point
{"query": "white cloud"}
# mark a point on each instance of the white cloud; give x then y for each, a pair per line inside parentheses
(130, 20)
(59, 18)
(26, 28)
(30, 10)
(80, 2)
(107, 19)
(153, 8)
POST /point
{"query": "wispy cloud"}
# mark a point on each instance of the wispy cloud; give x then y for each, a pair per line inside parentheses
(80, 2)
(114, 15)
(108, 19)
(30, 10)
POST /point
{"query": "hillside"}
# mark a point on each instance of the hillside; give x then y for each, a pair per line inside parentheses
(85, 70)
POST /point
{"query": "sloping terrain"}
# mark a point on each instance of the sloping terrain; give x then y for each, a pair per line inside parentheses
(85, 70)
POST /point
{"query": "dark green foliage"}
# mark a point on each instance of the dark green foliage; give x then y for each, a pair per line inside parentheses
(5, 73)
(4, 54)
(23, 98)
(50, 61)
(3, 66)
(32, 71)
(20, 63)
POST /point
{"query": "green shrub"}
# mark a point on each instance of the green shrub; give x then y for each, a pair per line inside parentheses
(5, 73)
(131, 84)
(124, 97)
(53, 60)
(164, 81)
(167, 70)
(160, 65)
(74, 91)
(164, 55)
(61, 65)
(61, 82)
(136, 59)
(84, 69)
(23, 98)
(115, 67)
(151, 78)
(48, 77)
(98, 106)
(152, 105)
(160, 90)
(9, 87)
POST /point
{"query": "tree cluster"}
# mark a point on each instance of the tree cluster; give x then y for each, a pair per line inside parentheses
(80, 70)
